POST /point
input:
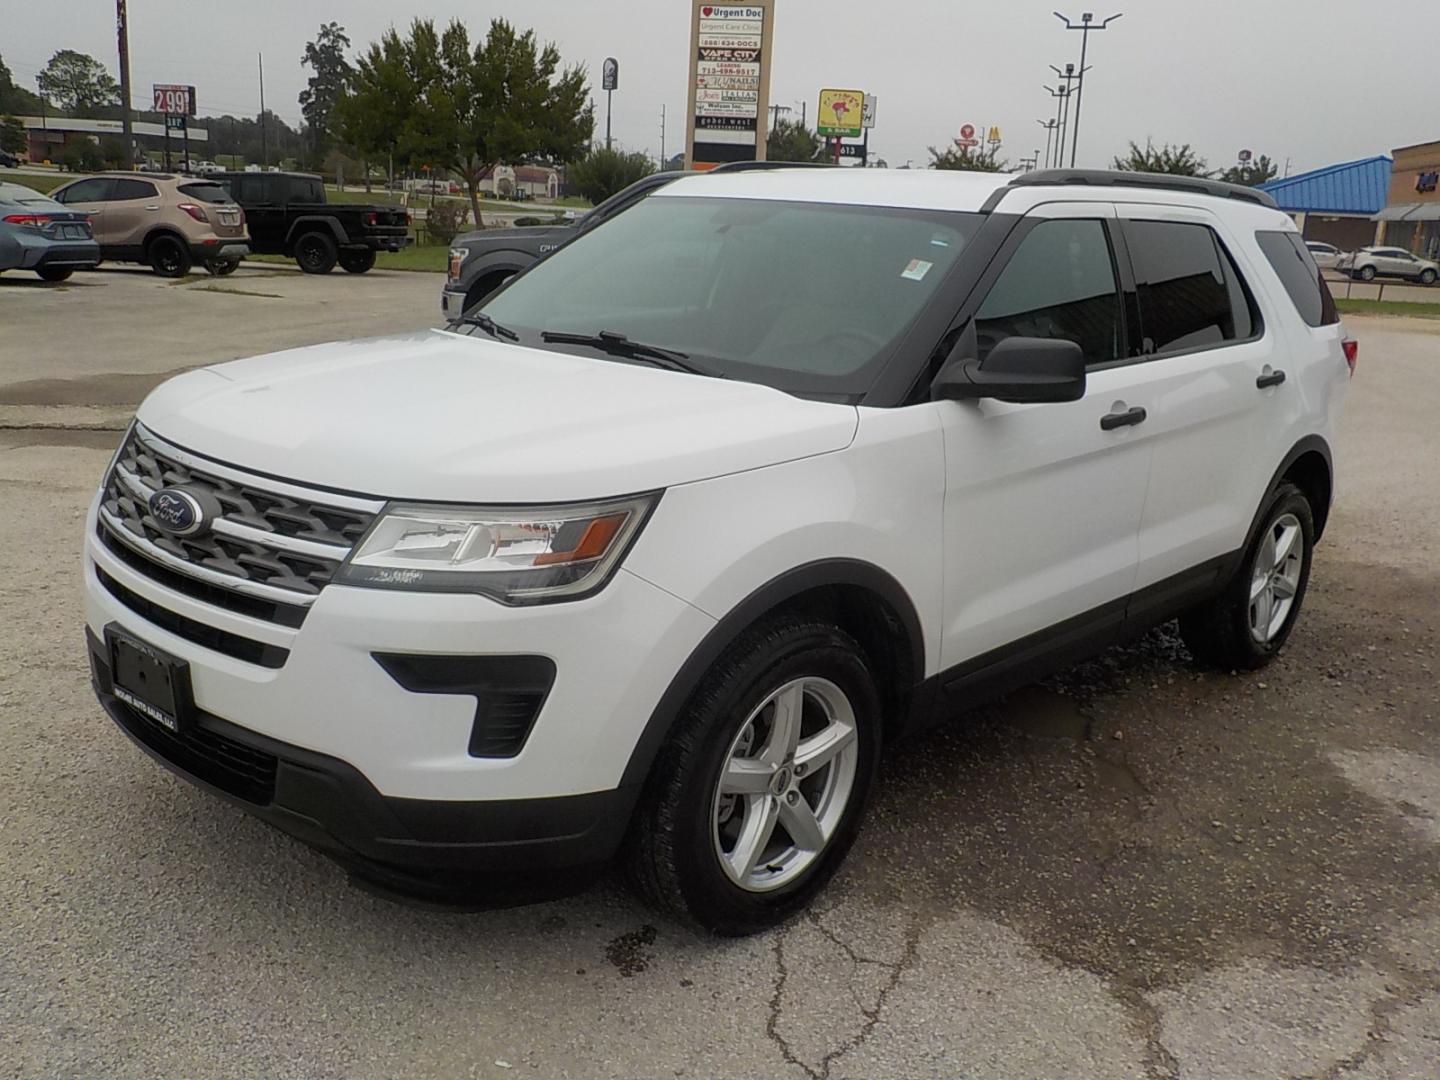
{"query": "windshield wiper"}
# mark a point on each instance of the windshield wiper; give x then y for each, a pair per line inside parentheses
(608, 341)
(489, 325)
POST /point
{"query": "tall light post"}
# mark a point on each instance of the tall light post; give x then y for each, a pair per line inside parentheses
(1049, 126)
(1061, 95)
(1086, 24)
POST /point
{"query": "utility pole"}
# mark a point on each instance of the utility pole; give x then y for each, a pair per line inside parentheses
(662, 137)
(122, 36)
(264, 145)
(777, 110)
(1085, 25)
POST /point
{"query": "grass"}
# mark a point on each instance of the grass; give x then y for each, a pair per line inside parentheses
(1389, 307)
(421, 257)
(45, 184)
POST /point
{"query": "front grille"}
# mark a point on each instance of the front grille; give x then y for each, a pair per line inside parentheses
(271, 540)
(234, 768)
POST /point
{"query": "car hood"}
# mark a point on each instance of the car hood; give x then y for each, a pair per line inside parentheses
(493, 238)
(443, 416)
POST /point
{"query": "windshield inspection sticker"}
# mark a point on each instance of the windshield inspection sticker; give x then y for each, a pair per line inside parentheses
(916, 270)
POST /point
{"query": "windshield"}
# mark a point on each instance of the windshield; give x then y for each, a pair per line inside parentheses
(805, 297)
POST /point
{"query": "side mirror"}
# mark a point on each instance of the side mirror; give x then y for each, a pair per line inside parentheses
(1019, 369)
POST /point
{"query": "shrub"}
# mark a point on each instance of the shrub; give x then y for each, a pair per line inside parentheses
(444, 221)
(604, 172)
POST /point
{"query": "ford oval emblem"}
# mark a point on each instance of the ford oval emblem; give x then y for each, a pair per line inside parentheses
(178, 512)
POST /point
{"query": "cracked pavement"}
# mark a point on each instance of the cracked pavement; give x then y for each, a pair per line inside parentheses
(1136, 870)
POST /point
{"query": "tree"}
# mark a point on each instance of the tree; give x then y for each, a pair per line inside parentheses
(1251, 173)
(604, 172)
(325, 56)
(1174, 160)
(76, 83)
(790, 140)
(438, 101)
(15, 100)
(964, 158)
(113, 153)
(13, 139)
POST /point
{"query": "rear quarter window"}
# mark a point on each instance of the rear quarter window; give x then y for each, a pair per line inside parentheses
(210, 193)
(1190, 291)
(1302, 279)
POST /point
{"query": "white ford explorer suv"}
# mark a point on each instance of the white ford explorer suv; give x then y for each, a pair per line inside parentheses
(654, 554)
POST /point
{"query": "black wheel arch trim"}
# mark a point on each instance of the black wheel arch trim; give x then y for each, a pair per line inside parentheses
(774, 593)
(302, 225)
(1309, 444)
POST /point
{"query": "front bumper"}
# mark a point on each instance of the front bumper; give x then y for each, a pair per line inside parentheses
(447, 851)
(452, 303)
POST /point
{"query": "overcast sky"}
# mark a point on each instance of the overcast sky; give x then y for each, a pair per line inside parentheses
(1311, 81)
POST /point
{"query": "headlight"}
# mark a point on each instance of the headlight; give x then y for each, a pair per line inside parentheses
(458, 255)
(517, 555)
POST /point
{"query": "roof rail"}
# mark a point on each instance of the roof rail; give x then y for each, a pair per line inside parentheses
(1195, 185)
(761, 166)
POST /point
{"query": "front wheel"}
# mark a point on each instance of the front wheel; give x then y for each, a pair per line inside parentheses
(316, 253)
(1367, 273)
(357, 262)
(1427, 277)
(1247, 625)
(54, 273)
(222, 267)
(759, 792)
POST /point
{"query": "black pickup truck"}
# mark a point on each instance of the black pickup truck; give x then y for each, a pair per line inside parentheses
(288, 215)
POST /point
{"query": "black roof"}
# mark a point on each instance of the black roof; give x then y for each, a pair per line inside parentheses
(1196, 185)
(268, 172)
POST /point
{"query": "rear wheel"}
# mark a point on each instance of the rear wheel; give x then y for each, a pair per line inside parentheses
(1247, 625)
(169, 257)
(357, 262)
(758, 794)
(54, 273)
(316, 253)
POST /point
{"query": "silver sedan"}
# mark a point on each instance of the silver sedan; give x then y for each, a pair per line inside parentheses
(37, 233)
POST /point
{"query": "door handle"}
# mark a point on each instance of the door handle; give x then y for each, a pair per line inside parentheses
(1270, 378)
(152, 208)
(1129, 418)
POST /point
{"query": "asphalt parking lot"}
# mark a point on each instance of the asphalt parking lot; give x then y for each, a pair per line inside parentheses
(1138, 870)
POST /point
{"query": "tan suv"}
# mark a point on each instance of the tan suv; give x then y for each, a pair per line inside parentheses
(168, 222)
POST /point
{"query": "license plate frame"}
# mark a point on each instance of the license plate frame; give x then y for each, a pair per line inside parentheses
(151, 681)
(74, 232)
(229, 217)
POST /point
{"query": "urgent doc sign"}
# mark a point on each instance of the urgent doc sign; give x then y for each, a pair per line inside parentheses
(174, 100)
(729, 88)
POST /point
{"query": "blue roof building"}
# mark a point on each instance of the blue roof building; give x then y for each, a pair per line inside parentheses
(1337, 204)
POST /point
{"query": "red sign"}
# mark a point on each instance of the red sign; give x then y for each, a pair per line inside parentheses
(174, 100)
(967, 131)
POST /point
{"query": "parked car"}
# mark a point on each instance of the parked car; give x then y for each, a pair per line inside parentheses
(1326, 256)
(204, 168)
(166, 221)
(9, 160)
(289, 216)
(37, 233)
(657, 550)
(1371, 262)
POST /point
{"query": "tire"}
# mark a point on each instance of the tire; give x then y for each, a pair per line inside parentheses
(222, 267)
(54, 273)
(1224, 633)
(1367, 273)
(357, 262)
(169, 257)
(677, 853)
(316, 252)
(1427, 277)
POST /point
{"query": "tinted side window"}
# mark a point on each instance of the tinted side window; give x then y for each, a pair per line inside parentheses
(130, 190)
(85, 191)
(1187, 300)
(306, 191)
(1060, 283)
(1297, 271)
(249, 190)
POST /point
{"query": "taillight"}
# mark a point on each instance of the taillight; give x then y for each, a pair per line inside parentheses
(34, 221)
(196, 212)
(1352, 353)
(372, 218)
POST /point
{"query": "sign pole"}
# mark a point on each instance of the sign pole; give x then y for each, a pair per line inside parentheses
(609, 99)
(167, 143)
(185, 146)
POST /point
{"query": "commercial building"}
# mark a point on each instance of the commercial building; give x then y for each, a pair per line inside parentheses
(1411, 216)
(1337, 204)
(50, 135)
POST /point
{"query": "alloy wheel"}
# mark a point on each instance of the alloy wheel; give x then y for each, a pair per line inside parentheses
(787, 780)
(1275, 577)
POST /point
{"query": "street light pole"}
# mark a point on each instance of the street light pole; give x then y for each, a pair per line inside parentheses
(1049, 126)
(1062, 110)
(1085, 25)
